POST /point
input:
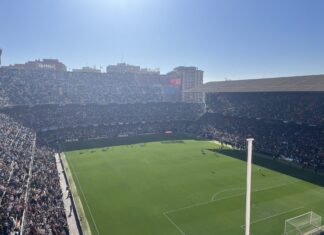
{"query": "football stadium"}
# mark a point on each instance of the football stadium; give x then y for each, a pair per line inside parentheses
(161, 117)
(125, 156)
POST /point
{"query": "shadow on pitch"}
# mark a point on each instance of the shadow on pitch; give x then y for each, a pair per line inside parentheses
(276, 165)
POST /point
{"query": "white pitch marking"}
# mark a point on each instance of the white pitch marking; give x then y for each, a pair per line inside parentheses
(174, 224)
(275, 215)
(223, 191)
(256, 190)
(214, 200)
(220, 199)
(72, 169)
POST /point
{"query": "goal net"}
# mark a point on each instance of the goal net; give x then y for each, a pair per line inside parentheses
(305, 224)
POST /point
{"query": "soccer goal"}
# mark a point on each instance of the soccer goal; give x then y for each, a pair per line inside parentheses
(306, 224)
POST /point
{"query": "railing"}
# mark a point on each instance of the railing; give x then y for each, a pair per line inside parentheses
(75, 211)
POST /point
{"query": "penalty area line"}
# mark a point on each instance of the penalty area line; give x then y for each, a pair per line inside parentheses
(214, 197)
(274, 215)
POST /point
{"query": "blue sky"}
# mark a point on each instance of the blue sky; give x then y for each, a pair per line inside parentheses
(232, 39)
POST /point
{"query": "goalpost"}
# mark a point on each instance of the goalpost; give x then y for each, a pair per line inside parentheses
(305, 224)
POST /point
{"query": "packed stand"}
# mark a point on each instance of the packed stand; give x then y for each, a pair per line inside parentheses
(298, 107)
(16, 151)
(52, 117)
(30, 194)
(302, 144)
(45, 209)
(31, 87)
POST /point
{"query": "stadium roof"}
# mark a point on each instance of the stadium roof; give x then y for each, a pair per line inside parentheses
(310, 83)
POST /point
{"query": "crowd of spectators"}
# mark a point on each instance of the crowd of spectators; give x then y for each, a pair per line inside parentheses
(287, 125)
(300, 143)
(30, 195)
(16, 147)
(45, 209)
(31, 87)
(299, 107)
(297, 139)
(51, 117)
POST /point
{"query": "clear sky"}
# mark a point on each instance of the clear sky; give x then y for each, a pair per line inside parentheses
(232, 39)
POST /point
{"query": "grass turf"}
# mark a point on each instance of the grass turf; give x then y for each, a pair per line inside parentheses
(181, 187)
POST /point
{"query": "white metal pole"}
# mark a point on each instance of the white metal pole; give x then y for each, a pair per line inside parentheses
(248, 186)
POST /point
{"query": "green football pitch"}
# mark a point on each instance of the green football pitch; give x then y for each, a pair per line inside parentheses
(185, 187)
